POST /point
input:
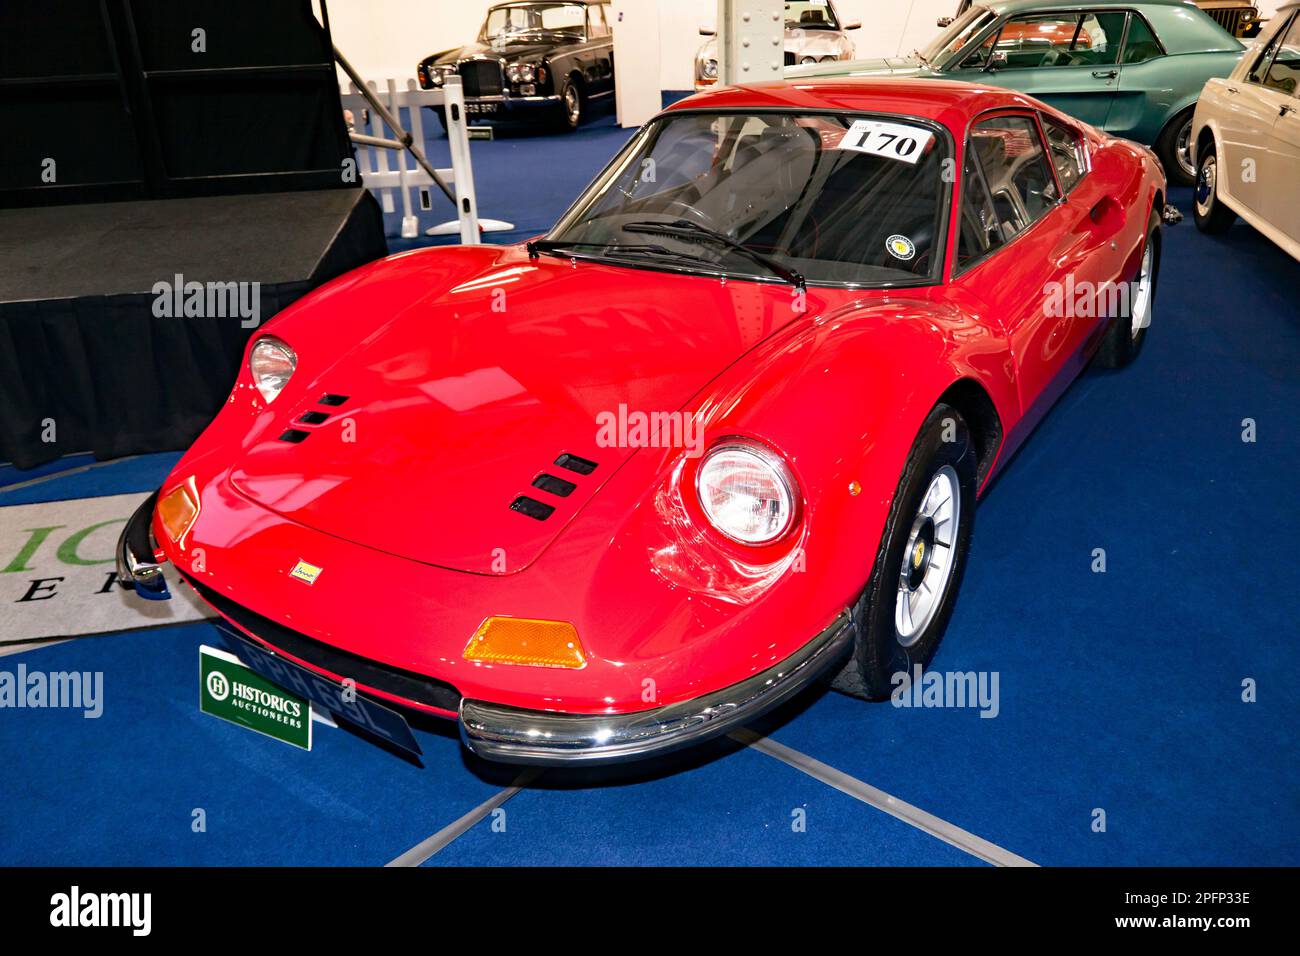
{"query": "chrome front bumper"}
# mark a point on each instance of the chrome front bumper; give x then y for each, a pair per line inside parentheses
(513, 735)
(137, 568)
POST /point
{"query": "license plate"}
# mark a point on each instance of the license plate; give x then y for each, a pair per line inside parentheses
(481, 109)
(329, 695)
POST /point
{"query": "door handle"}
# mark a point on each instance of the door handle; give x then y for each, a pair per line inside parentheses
(1105, 74)
(1231, 89)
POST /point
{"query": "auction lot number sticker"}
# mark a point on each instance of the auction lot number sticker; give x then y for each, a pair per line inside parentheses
(890, 140)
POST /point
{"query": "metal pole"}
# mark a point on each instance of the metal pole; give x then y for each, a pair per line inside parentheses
(404, 137)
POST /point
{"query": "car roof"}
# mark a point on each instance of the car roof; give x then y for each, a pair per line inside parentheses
(948, 102)
(1016, 6)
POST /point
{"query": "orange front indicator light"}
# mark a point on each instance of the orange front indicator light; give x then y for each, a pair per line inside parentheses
(177, 511)
(519, 640)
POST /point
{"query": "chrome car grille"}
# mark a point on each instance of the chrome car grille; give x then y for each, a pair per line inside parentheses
(480, 77)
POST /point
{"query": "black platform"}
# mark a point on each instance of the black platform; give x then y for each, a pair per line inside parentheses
(80, 344)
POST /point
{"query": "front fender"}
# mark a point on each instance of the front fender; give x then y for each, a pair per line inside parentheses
(842, 398)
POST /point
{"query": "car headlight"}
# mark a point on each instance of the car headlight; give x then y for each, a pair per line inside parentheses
(808, 59)
(521, 73)
(272, 363)
(709, 69)
(436, 76)
(829, 59)
(747, 492)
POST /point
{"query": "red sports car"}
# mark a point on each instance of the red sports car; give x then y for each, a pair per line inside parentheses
(720, 432)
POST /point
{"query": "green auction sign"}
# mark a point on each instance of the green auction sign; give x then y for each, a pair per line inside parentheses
(229, 690)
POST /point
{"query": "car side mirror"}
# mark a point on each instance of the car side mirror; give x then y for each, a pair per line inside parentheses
(707, 31)
(997, 60)
(943, 22)
(853, 26)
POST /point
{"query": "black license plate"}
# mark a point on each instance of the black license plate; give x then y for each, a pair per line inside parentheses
(326, 694)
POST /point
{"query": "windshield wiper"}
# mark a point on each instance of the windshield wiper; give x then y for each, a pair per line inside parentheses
(687, 230)
(538, 246)
(921, 56)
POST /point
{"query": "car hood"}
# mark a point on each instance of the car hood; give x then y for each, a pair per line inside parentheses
(464, 374)
(890, 66)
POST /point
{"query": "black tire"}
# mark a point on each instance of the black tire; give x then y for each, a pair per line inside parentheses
(878, 653)
(573, 105)
(1166, 148)
(1121, 345)
(1211, 215)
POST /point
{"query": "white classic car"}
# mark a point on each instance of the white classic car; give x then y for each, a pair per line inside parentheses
(1246, 139)
(814, 33)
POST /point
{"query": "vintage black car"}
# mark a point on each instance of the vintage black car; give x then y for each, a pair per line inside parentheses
(535, 60)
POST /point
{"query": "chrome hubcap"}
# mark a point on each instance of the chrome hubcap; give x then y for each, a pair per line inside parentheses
(1205, 184)
(573, 104)
(1142, 294)
(929, 558)
(1183, 149)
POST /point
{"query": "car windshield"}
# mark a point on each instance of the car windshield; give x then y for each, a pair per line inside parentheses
(839, 199)
(810, 15)
(504, 23)
(956, 35)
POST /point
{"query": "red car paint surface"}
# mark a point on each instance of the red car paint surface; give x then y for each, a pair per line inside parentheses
(402, 496)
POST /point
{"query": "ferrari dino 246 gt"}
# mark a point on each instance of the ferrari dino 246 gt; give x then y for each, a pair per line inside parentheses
(719, 433)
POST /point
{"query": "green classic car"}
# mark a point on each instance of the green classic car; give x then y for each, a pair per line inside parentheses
(1134, 69)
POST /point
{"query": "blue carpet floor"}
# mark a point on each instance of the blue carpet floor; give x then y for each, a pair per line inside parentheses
(1119, 692)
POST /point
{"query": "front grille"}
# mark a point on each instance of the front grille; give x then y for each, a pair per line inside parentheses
(790, 58)
(1231, 18)
(481, 77)
(391, 680)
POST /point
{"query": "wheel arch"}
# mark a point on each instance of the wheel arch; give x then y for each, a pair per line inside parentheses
(973, 401)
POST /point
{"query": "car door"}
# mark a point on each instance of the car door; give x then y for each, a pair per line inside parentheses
(1142, 88)
(598, 58)
(1246, 127)
(1029, 254)
(1068, 59)
(1280, 172)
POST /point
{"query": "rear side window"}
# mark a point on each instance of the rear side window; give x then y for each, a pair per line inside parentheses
(1066, 152)
(1141, 44)
(1011, 156)
(1284, 74)
(1260, 69)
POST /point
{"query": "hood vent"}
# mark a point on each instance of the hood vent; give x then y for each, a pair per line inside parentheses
(532, 507)
(573, 463)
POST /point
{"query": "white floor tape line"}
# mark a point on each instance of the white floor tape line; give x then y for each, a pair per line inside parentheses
(914, 816)
(427, 848)
(57, 573)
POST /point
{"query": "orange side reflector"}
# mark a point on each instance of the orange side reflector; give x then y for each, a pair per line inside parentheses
(518, 640)
(177, 511)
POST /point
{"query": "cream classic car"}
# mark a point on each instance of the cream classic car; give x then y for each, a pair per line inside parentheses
(814, 33)
(1246, 139)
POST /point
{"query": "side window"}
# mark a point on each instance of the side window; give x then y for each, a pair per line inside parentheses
(1284, 74)
(1026, 42)
(1141, 44)
(1066, 151)
(1010, 152)
(981, 231)
(1099, 39)
(596, 16)
(1265, 58)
